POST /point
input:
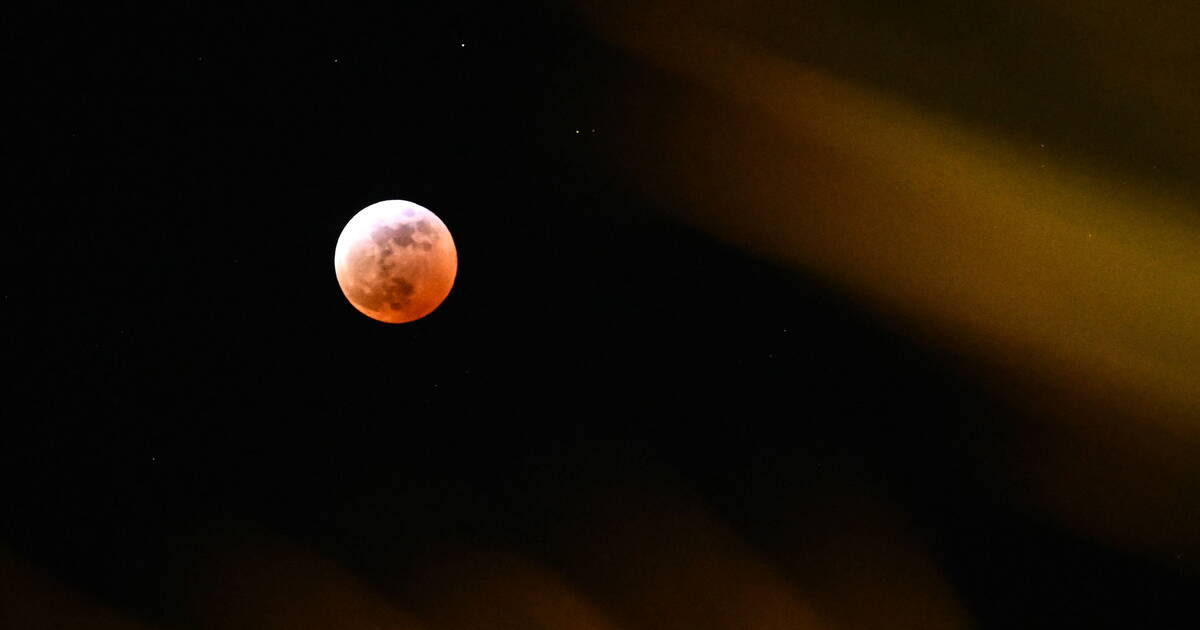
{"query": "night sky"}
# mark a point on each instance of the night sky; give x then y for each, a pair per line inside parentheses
(662, 412)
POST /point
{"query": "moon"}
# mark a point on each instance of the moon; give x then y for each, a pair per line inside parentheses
(395, 261)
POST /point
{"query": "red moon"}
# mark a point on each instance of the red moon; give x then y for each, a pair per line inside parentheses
(395, 261)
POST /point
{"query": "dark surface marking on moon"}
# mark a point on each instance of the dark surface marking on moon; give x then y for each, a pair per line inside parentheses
(374, 292)
(404, 235)
(401, 235)
(396, 293)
